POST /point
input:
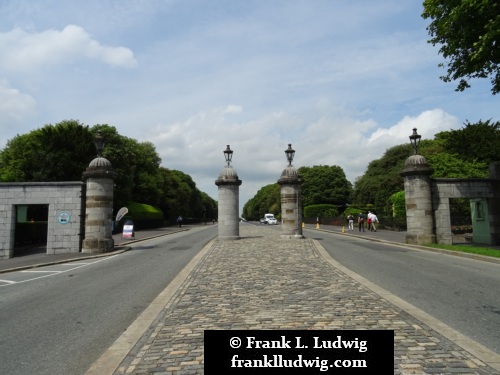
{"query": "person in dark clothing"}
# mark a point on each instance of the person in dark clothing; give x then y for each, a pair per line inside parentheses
(179, 221)
(361, 222)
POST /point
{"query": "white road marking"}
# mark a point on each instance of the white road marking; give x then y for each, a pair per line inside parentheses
(52, 273)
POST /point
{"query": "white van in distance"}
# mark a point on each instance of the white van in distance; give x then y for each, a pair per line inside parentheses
(270, 219)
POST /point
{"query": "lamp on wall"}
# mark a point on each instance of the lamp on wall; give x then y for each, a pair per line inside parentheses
(415, 140)
(290, 153)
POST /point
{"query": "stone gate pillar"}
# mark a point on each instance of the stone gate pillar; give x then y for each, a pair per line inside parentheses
(99, 177)
(228, 205)
(291, 210)
(418, 198)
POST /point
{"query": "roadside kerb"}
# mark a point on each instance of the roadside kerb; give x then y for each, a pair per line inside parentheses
(415, 247)
(118, 249)
(480, 351)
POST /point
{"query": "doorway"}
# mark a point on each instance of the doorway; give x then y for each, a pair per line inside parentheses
(30, 233)
(461, 220)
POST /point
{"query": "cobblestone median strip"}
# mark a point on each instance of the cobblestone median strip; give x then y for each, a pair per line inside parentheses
(264, 282)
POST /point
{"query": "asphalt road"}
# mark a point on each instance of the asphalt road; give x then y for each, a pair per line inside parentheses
(460, 292)
(58, 320)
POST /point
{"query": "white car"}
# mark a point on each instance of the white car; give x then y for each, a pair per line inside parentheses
(270, 219)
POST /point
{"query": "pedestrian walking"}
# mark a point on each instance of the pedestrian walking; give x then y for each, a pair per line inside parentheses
(373, 221)
(179, 221)
(350, 220)
(361, 222)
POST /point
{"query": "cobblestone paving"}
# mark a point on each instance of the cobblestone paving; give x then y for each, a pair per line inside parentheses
(264, 282)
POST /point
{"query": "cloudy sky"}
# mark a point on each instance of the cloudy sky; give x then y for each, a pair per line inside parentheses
(340, 80)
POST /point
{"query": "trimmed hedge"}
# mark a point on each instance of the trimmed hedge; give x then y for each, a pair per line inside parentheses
(143, 215)
(321, 210)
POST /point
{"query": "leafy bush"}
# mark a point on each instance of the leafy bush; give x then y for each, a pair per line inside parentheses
(321, 210)
(354, 211)
(398, 204)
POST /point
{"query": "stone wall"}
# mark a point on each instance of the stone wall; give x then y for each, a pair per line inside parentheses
(65, 216)
(444, 189)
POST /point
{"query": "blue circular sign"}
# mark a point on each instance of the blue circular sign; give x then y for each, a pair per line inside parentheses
(63, 217)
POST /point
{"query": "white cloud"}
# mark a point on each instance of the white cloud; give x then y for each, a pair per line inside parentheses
(13, 103)
(15, 109)
(327, 136)
(428, 123)
(26, 51)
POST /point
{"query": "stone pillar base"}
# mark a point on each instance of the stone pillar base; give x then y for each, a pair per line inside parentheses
(226, 238)
(98, 245)
(420, 239)
(292, 236)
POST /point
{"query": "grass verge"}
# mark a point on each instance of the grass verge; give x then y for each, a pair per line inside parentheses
(468, 249)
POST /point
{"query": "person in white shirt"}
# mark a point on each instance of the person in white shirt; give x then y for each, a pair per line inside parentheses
(374, 219)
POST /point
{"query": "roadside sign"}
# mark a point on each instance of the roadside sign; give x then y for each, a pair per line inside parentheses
(128, 231)
(64, 217)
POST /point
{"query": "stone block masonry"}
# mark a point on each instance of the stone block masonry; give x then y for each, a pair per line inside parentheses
(66, 207)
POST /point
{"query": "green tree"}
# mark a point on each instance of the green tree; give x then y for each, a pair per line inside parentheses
(136, 165)
(209, 209)
(58, 152)
(468, 32)
(321, 210)
(63, 151)
(324, 184)
(398, 204)
(180, 196)
(267, 200)
(382, 179)
(475, 142)
(452, 166)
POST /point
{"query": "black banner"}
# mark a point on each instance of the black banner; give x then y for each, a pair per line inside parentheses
(299, 351)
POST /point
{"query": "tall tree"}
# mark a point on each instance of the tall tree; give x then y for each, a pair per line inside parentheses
(324, 184)
(468, 32)
(267, 200)
(63, 151)
(180, 196)
(447, 165)
(382, 179)
(474, 142)
(58, 152)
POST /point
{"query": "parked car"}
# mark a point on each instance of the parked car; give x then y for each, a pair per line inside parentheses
(262, 221)
(270, 219)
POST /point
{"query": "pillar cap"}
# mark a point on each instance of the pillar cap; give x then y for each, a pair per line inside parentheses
(228, 176)
(289, 176)
(100, 162)
(99, 168)
(416, 165)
